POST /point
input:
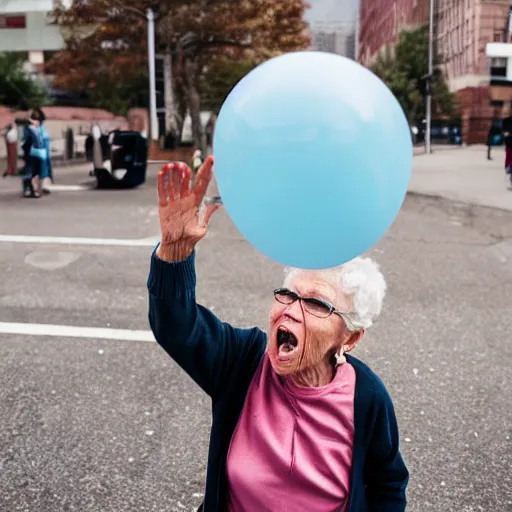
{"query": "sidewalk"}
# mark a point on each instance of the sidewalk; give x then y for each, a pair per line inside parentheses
(464, 175)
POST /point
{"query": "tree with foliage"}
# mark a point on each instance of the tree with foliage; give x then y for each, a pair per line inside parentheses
(244, 30)
(193, 34)
(220, 76)
(17, 89)
(404, 67)
(113, 79)
(100, 59)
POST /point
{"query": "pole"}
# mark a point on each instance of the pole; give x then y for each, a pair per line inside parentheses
(152, 79)
(428, 132)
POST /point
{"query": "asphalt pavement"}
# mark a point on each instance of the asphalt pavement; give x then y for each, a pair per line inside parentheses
(91, 424)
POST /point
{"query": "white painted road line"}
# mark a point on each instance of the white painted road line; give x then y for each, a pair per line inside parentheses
(64, 240)
(71, 331)
(69, 188)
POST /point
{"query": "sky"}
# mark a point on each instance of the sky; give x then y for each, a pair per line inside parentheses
(332, 10)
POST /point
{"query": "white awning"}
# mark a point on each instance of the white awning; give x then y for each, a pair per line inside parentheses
(498, 50)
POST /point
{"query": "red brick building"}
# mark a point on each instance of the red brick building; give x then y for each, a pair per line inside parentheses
(462, 30)
(381, 22)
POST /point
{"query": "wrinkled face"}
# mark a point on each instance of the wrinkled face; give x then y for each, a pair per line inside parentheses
(298, 340)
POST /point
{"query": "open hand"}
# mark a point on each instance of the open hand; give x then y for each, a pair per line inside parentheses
(181, 225)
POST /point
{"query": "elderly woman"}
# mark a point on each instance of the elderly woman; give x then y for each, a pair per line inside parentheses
(298, 424)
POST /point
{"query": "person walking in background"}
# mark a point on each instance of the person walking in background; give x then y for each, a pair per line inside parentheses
(47, 169)
(494, 133)
(508, 165)
(34, 155)
(11, 141)
(507, 137)
(494, 136)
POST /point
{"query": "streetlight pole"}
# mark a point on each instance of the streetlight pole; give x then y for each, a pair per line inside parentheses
(150, 15)
(88, 30)
(153, 117)
(428, 132)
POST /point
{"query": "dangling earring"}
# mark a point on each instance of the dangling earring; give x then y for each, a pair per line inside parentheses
(340, 356)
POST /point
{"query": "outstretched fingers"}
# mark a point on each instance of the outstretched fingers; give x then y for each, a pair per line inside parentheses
(162, 187)
(184, 177)
(173, 182)
(204, 175)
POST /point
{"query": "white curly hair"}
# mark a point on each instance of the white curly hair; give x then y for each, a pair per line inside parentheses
(362, 282)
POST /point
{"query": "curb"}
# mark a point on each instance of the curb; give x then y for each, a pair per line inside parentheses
(469, 204)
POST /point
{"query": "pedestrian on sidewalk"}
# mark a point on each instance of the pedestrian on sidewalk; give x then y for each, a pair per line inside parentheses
(298, 423)
(508, 166)
(493, 135)
(11, 142)
(34, 155)
(507, 136)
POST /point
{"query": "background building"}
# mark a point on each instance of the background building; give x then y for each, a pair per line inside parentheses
(25, 27)
(333, 25)
(380, 23)
(462, 29)
(351, 45)
(334, 37)
(323, 40)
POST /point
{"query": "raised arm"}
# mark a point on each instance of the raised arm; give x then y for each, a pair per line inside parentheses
(209, 350)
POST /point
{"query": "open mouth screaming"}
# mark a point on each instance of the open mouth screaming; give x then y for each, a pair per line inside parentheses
(286, 342)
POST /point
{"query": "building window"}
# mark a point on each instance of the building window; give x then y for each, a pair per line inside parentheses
(498, 68)
(497, 37)
(499, 62)
(12, 21)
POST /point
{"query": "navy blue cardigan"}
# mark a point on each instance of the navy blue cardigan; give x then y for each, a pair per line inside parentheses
(222, 360)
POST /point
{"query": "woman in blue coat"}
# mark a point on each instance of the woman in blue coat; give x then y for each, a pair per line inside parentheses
(35, 155)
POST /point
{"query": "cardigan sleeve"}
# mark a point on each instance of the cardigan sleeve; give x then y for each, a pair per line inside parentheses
(210, 351)
(386, 475)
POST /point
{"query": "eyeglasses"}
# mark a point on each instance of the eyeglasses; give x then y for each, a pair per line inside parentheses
(317, 307)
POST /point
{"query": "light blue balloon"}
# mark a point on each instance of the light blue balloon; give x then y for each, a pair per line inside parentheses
(313, 156)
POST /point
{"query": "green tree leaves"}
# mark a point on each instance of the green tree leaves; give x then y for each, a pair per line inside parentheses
(17, 89)
(403, 69)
